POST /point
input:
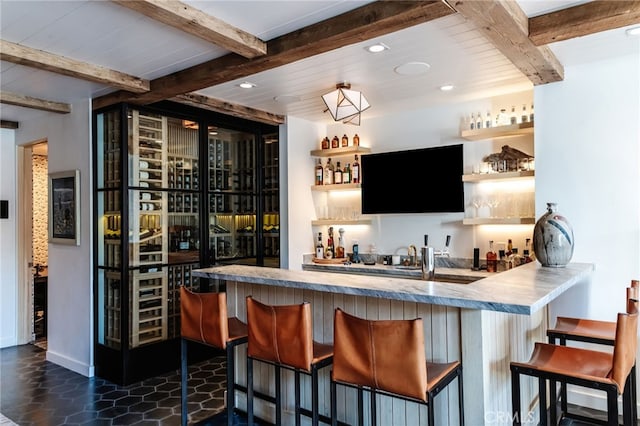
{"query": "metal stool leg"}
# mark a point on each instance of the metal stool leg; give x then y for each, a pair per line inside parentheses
(249, 391)
(184, 416)
(278, 397)
(231, 384)
(315, 410)
(515, 397)
(374, 412)
(360, 407)
(297, 396)
(542, 398)
(334, 403)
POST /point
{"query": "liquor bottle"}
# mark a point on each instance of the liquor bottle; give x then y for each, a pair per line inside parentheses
(325, 143)
(345, 141)
(319, 247)
(356, 140)
(346, 174)
(492, 259)
(355, 171)
(328, 173)
(472, 122)
(341, 250)
(335, 142)
(509, 247)
(479, 121)
(337, 174)
(502, 119)
(487, 121)
(517, 258)
(527, 256)
(525, 117)
(513, 118)
(330, 252)
(319, 172)
(531, 114)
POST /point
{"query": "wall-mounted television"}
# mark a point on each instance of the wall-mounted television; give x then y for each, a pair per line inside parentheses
(427, 180)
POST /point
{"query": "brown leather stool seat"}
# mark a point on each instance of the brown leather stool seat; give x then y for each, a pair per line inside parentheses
(282, 335)
(605, 371)
(203, 319)
(387, 357)
(596, 332)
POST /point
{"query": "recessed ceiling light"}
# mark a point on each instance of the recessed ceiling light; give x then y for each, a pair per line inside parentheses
(377, 48)
(247, 85)
(286, 99)
(412, 68)
(446, 87)
(633, 31)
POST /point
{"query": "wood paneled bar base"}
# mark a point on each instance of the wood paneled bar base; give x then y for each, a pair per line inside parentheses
(486, 324)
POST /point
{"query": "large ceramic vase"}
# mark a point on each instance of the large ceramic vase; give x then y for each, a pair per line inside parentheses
(553, 239)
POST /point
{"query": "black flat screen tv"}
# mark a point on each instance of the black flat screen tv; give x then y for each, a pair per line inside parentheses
(427, 180)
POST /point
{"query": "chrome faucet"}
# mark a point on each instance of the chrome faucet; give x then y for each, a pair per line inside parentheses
(444, 252)
(413, 259)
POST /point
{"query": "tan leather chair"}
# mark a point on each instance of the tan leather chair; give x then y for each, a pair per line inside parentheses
(203, 319)
(596, 332)
(605, 371)
(283, 336)
(387, 357)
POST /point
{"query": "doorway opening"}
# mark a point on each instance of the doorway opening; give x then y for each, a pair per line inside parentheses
(39, 243)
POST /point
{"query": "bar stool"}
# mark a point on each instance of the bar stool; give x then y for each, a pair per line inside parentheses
(609, 372)
(203, 319)
(283, 337)
(595, 332)
(387, 357)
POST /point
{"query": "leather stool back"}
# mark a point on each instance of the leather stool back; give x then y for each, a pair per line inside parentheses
(203, 319)
(387, 357)
(282, 335)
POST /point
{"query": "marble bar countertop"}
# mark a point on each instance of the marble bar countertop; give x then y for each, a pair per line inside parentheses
(523, 290)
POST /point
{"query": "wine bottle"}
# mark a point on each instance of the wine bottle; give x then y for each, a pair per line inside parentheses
(328, 173)
(492, 259)
(355, 171)
(319, 172)
(346, 174)
(319, 247)
(337, 174)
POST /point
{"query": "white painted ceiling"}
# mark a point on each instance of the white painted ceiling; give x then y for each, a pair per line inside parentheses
(103, 33)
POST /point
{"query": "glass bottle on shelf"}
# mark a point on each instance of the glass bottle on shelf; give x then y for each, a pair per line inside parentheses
(472, 122)
(330, 252)
(479, 121)
(335, 142)
(492, 259)
(319, 172)
(526, 253)
(337, 174)
(524, 117)
(502, 119)
(513, 118)
(345, 141)
(487, 121)
(325, 143)
(341, 250)
(328, 173)
(531, 114)
(319, 247)
(356, 140)
(346, 174)
(355, 171)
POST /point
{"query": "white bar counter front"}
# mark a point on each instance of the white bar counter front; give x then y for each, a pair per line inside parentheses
(486, 324)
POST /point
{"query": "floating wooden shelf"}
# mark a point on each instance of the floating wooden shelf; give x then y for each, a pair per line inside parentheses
(484, 177)
(499, 221)
(336, 187)
(323, 222)
(337, 152)
(498, 132)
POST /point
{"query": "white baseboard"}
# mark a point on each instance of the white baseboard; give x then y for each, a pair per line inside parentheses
(71, 364)
(586, 398)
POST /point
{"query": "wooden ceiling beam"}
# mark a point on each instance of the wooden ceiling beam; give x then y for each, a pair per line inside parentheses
(34, 103)
(195, 22)
(23, 55)
(6, 124)
(364, 23)
(506, 25)
(582, 20)
(211, 104)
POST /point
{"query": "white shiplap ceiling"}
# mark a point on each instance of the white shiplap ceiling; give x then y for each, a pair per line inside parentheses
(106, 34)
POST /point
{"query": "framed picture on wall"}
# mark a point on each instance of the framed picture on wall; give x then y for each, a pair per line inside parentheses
(64, 207)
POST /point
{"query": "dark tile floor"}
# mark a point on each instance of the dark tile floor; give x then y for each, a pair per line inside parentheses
(36, 392)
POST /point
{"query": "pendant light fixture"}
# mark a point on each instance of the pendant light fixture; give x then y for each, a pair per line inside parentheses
(345, 104)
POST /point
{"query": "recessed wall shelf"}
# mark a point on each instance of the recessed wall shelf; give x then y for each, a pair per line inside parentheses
(484, 177)
(325, 222)
(499, 221)
(497, 132)
(336, 152)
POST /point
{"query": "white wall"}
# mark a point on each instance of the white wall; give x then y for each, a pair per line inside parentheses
(70, 298)
(8, 243)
